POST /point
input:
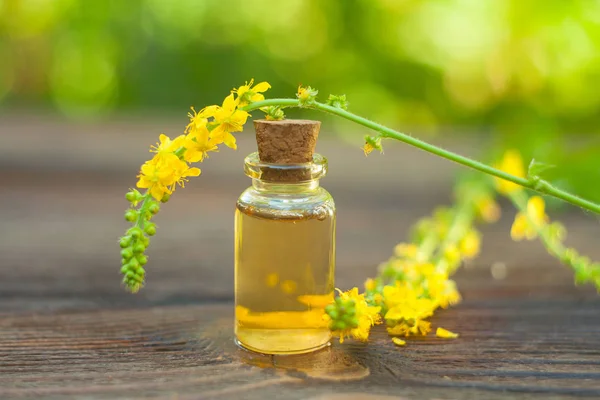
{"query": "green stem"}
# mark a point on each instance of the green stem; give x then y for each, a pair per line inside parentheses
(142, 211)
(427, 246)
(540, 186)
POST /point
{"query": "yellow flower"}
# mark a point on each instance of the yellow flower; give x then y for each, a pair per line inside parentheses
(526, 225)
(366, 315)
(372, 143)
(469, 246)
(512, 164)
(166, 147)
(248, 94)
(406, 310)
(398, 341)
(397, 294)
(377, 299)
(165, 170)
(488, 209)
(443, 291)
(370, 284)
(536, 208)
(417, 327)
(198, 119)
(306, 94)
(424, 270)
(406, 250)
(182, 171)
(227, 119)
(156, 178)
(443, 333)
(452, 256)
(522, 229)
(198, 143)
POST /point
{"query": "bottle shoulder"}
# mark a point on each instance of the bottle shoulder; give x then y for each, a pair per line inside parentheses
(316, 203)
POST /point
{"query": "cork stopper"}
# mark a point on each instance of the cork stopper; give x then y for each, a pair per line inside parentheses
(290, 141)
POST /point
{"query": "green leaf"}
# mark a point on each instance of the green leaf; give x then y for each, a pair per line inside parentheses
(536, 168)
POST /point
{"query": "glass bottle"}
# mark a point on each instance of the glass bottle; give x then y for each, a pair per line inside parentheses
(284, 258)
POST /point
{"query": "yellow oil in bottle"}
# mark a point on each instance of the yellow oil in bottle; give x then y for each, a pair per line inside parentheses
(284, 271)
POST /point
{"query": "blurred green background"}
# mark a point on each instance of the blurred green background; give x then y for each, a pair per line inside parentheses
(522, 72)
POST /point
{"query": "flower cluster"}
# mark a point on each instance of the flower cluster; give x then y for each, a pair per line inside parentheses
(415, 281)
(531, 222)
(136, 239)
(171, 167)
(351, 316)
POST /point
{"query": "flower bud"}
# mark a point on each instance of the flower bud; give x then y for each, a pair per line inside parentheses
(125, 241)
(127, 253)
(134, 263)
(338, 101)
(135, 232)
(124, 269)
(131, 215)
(352, 322)
(332, 311)
(372, 143)
(582, 275)
(145, 241)
(306, 95)
(140, 273)
(131, 197)
(165, 198)
(274, 113)
(337, 325)
(139, 248)
(569, 256)
(142, 259)
(154, 208)
(150, 229)
(557, 231)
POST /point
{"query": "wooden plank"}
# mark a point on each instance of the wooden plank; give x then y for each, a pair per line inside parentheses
(519, 346)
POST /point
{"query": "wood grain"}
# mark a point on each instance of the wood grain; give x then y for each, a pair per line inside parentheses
(68, 330)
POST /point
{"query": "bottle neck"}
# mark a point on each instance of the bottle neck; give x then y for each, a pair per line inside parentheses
(285, 187)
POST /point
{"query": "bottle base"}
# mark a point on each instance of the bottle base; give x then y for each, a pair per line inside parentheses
(282, 341)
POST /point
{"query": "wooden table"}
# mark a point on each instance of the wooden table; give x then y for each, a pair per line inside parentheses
(68, 330)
